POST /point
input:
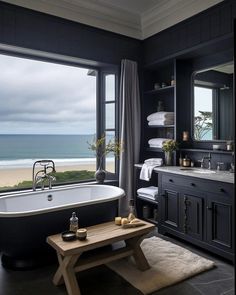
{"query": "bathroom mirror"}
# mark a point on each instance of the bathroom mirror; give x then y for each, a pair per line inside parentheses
(213, 103)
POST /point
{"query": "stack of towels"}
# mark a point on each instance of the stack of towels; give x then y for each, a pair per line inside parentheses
(157, 142)
(150, 192)
(148, 166)
(161, 118)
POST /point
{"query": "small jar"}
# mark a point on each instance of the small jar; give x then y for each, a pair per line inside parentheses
(163, 84)
(186, 162)
(185, 135)
(81, 234)
(229, 146)
(157, 86)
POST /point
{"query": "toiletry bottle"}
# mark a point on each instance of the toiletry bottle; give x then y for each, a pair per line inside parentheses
(74, 224)
(180, 160)
(131, 210)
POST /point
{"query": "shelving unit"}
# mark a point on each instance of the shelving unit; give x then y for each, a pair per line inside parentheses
(159, 73)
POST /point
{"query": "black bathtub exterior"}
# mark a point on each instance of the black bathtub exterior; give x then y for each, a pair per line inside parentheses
(23, 239)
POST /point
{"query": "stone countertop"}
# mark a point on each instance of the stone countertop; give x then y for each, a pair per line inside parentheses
(223, 176)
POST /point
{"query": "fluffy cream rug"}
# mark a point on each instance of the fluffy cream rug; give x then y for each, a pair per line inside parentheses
(169, 263)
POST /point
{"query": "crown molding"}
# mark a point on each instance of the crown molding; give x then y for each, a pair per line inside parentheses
(109, 16)
(168, 13)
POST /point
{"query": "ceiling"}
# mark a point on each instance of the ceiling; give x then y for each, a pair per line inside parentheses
(139, 19)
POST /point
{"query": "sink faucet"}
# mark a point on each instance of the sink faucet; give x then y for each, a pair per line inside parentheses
(209, 161)
(42, 175)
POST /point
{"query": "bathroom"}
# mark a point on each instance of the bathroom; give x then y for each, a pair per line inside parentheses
(175, 54)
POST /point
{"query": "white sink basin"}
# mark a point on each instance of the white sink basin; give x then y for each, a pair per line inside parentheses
(199, 171)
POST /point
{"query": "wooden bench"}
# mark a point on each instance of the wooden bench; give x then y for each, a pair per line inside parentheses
(69, 253)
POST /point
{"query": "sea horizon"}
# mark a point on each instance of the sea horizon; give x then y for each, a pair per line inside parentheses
(22, 150)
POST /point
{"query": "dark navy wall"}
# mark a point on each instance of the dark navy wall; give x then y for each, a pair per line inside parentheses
(211, 25)
(27, 28)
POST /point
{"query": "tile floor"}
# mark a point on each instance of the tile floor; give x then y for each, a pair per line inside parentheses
(102, 281)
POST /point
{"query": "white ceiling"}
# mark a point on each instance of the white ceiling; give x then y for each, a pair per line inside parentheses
(134, 18)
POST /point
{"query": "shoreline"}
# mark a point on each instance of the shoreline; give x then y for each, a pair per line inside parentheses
(11, 177)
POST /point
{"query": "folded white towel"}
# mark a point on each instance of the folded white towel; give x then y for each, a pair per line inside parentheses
(153, 161)
(146, 196)
(161, 116)
(161, 122)
(157, 142)
(146, 171)
(150, 191)
(155, 146)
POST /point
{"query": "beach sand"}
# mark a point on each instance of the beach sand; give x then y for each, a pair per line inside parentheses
(10, 177)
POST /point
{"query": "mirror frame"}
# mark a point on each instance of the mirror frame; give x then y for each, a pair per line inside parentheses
(192, 107)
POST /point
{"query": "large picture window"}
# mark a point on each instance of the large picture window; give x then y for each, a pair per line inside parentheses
(48, 111)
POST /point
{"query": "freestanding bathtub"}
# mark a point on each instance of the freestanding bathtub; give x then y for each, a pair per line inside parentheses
(27, 218)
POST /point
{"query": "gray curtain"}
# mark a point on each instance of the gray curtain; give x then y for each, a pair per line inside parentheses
(130, 130)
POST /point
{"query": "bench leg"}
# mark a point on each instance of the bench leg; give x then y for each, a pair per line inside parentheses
(66, 272)
(138, 255)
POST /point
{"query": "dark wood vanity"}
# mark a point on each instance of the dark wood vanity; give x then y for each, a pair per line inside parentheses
(197, 210)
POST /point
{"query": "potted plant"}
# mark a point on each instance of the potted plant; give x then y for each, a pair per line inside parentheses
(101, 149)
(168, 147)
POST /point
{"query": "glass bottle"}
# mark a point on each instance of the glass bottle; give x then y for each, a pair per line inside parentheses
(74, 224)
(131, 210)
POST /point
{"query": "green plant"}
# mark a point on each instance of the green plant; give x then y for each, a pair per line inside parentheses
(170, 145)
(202, 125)
(101, 148)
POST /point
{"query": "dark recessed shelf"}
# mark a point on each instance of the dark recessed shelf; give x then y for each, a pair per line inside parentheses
(154, 149)
(154, 202)
(154, 91)
(161, 126)
(207, 151)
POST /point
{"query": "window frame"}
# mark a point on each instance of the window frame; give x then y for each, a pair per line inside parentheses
(100, 68)
(102, 128)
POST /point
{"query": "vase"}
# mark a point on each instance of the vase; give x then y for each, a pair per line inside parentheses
(168, 158)
(100, 175)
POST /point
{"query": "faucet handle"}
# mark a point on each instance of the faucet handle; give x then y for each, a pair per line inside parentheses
(218, 165)
(201, 161)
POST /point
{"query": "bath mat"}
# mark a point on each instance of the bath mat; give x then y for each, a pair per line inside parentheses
(169, 263)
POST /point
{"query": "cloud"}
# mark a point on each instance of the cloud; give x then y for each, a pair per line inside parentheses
(39, 97)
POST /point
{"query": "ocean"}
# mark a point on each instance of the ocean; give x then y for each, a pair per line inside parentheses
(22, 150)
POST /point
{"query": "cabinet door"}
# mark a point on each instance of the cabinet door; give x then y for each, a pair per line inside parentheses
(219, 222)
(170, 208)
(192, 215)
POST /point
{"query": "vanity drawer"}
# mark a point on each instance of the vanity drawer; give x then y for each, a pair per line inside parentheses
(184, 182)
(197, 184)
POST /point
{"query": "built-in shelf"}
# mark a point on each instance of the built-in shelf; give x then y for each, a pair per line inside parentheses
(207, 151)
(161, 126)
(154, 149)
(154, 91)
(154, 202)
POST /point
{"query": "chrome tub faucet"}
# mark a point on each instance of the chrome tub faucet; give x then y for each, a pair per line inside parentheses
(42, 175)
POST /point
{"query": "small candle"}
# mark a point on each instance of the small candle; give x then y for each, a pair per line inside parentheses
(81, 234)
(118, 220)
(185, 135)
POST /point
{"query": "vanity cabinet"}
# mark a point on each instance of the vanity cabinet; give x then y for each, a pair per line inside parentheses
(198, 210)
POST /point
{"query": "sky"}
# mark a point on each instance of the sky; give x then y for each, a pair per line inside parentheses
(45, 98)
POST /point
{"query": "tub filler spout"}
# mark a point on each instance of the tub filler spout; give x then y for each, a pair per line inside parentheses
(42, 175)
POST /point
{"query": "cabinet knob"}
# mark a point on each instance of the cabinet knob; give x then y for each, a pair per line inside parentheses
(170, 180)
(209, 208)
(193, 184)
(222, 190)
